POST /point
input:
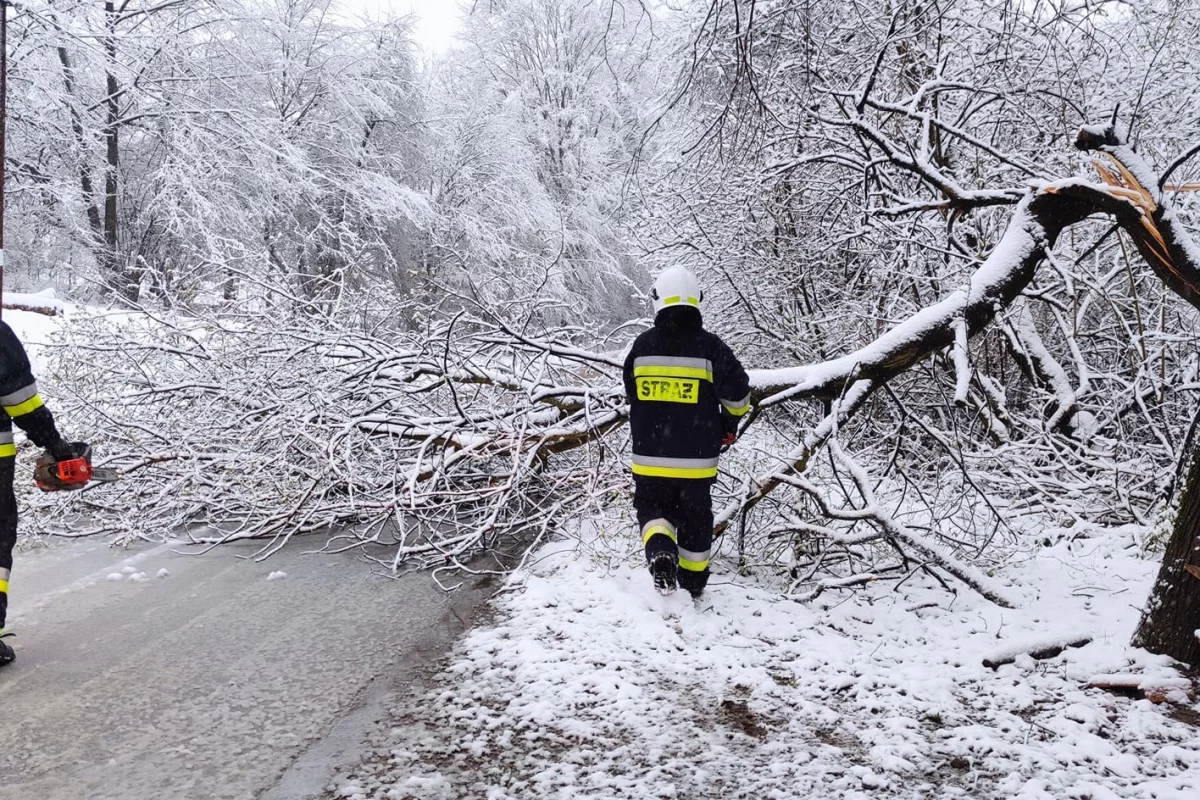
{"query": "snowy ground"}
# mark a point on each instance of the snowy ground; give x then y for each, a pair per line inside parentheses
(592, 686)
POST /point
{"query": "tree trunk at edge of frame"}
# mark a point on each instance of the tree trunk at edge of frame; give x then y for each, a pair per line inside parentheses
(1170, 623)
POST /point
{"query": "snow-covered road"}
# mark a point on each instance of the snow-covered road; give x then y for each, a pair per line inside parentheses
(203, 676)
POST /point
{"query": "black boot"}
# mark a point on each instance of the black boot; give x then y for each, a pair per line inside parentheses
(664, 570)
(693, 582)
(7, 656)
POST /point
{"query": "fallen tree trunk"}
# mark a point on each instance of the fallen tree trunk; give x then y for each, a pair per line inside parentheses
(1036, 224)
(1155, 688)
(45, 310)
(1130, 195)
(1039, 648)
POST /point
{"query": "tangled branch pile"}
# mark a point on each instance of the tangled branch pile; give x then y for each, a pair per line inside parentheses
(437, 445)
(880, 193)
(476, 433)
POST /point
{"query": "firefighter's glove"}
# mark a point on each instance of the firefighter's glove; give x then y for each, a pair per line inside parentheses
(62, 450)
(729, 440)
(74, 450)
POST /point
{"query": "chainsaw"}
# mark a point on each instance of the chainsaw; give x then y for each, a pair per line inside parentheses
(71, 474)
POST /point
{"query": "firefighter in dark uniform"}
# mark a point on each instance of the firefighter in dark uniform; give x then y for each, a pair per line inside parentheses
(687, 392)
(19, 403)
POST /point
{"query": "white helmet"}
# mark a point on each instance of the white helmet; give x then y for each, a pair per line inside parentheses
(676, 286)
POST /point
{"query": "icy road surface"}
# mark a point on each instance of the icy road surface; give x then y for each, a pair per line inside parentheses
(153, 674)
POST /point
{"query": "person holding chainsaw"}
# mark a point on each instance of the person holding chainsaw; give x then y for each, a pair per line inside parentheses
(20, 403)
(687, 392)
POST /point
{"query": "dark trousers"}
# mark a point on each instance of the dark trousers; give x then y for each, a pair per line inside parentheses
(8, 529)
(676, 517)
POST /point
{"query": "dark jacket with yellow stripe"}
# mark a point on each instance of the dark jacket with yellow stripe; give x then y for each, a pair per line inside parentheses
(19, 399)
(686, 389)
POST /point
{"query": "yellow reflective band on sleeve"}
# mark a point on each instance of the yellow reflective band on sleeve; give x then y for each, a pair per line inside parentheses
(674, 472)
(3, 587)
(655, 530)
(7, 450)
(20, 395)
(736, 411)
(21, 409)
(673, 372)
(692, 566)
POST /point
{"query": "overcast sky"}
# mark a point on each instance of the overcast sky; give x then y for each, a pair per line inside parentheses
(437, 20)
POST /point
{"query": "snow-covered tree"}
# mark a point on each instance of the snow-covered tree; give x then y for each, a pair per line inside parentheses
(220, 151)
(952, 236)
(544, 109)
